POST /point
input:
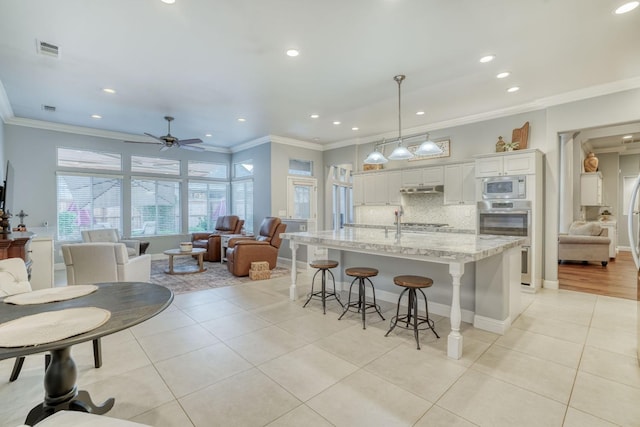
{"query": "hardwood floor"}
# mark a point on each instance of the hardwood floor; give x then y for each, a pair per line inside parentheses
(618, 279)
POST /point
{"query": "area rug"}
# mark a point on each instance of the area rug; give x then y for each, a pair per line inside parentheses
(216, 276)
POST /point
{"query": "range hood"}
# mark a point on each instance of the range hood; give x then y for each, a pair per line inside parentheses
(423, 189)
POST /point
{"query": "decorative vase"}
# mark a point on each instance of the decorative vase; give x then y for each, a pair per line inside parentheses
(500, 145)
(591, 163)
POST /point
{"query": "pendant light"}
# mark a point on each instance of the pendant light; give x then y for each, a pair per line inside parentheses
(400, 152)
(428, 148)
(375, 158)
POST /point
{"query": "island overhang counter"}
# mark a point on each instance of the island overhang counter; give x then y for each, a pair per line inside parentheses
(496, 260)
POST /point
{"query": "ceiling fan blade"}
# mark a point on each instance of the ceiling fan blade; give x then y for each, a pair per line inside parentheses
(191, 147)
(189, 141)
(155, 137)
(164, 148)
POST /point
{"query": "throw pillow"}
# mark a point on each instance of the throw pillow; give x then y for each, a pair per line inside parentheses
(581, 228)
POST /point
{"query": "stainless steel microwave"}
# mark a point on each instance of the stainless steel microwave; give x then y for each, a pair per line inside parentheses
(504, 187)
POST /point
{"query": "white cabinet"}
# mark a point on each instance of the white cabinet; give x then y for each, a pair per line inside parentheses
(591, 189)
(379, 188)
(612, 232)
(394, 183)
(42, 267)
(423, 176)
(502, 164)
(459, 184)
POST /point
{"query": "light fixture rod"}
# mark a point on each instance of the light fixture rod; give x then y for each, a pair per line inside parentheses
(399, 78)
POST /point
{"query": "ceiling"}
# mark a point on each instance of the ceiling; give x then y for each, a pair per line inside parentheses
(210, 62)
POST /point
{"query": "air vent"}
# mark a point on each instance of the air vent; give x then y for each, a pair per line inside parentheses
(49, 108)
(48, 49)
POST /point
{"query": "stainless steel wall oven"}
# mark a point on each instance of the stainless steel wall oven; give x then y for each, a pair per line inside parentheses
(508, 218)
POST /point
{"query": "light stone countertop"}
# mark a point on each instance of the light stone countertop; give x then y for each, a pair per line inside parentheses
(433, 246)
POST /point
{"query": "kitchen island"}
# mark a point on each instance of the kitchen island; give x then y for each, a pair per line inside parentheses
(496, 260)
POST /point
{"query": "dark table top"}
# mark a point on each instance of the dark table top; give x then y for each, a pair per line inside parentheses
(130, 303)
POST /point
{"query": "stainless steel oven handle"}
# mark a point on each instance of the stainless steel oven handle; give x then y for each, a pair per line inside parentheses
(504, 211)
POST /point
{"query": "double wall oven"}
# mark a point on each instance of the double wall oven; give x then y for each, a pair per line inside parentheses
(505, 211)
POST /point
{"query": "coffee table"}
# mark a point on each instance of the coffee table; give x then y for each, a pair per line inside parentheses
(186, 269)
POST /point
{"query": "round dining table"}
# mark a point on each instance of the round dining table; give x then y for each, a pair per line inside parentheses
(130, 303)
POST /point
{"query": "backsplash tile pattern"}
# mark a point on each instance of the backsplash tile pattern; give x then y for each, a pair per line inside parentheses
(423, 208)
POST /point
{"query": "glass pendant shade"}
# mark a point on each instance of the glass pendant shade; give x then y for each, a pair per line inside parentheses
(428, 147)
(375, 158)
(400, 153)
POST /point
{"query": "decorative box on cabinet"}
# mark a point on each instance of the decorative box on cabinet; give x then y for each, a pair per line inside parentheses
(591, 189)
(459, 184)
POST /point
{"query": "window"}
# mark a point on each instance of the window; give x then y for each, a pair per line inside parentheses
(242, 197)
(72, 158)
(155, 207)
(208, 170)
(87, 202)
(207, 201)
(155, 165)
(301, 198)
(342, 192)
(300, 167)
(243, 169)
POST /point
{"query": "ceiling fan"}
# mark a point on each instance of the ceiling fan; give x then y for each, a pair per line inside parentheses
(169, 140)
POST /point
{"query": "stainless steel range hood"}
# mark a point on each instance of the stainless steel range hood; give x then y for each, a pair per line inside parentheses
(425, 189)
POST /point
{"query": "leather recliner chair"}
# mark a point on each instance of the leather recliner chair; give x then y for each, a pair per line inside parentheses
(242, 252)
(230, 224)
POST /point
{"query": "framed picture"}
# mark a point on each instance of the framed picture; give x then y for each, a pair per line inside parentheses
(445, 146)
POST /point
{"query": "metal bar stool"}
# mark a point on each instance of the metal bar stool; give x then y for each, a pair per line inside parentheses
(323, 266)
(412, 320)
(361, 274)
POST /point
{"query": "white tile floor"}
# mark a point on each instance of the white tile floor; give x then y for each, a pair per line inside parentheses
(247, 356)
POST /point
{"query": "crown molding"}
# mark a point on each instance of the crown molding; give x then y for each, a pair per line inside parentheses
(6, 112)
(251, 144)
(539, 104)
(100, 133)
(297, 143)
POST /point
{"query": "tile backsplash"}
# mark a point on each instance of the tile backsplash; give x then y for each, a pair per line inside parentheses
(423, 208)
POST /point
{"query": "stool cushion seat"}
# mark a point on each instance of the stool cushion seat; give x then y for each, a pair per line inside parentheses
(361, 272)
(323, 263)
(409, 281)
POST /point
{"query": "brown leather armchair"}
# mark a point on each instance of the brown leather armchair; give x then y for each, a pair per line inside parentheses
(242, 252)
(230, 224)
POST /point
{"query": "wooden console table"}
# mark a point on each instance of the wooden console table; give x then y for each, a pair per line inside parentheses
(16, 245)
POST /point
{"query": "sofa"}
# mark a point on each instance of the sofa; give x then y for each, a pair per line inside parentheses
(110, 235)
(242, 251)
(585, 241)
(210, 241)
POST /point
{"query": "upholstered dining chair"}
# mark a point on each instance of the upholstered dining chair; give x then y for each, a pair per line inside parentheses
(14, 279)
(242, 251)
(110, 235)
(228, 224)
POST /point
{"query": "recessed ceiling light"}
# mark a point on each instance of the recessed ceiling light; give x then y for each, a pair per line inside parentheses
(96, 116)
(513, 89)
(627, 137)
(109, 90)
(208, 135)
(314, 116)
(627, 7)
(168, 1)
(420, 113)
(336, 122)
(503, 74)
(242, 120)
(487, 58)
(355, 128)
(293, 52)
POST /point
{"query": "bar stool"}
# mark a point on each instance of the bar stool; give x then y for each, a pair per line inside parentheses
(323, 266)
(361, 274)
(413, 320)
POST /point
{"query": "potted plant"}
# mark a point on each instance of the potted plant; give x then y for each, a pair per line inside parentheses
(510, 146)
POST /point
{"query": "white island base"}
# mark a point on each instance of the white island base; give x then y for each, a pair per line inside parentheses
(496, 260)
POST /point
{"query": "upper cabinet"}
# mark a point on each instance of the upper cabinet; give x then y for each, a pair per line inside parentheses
(591, 189)
(423, 176)
(504, 164)
(377, 188)
(459, 184)
(358, 190)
